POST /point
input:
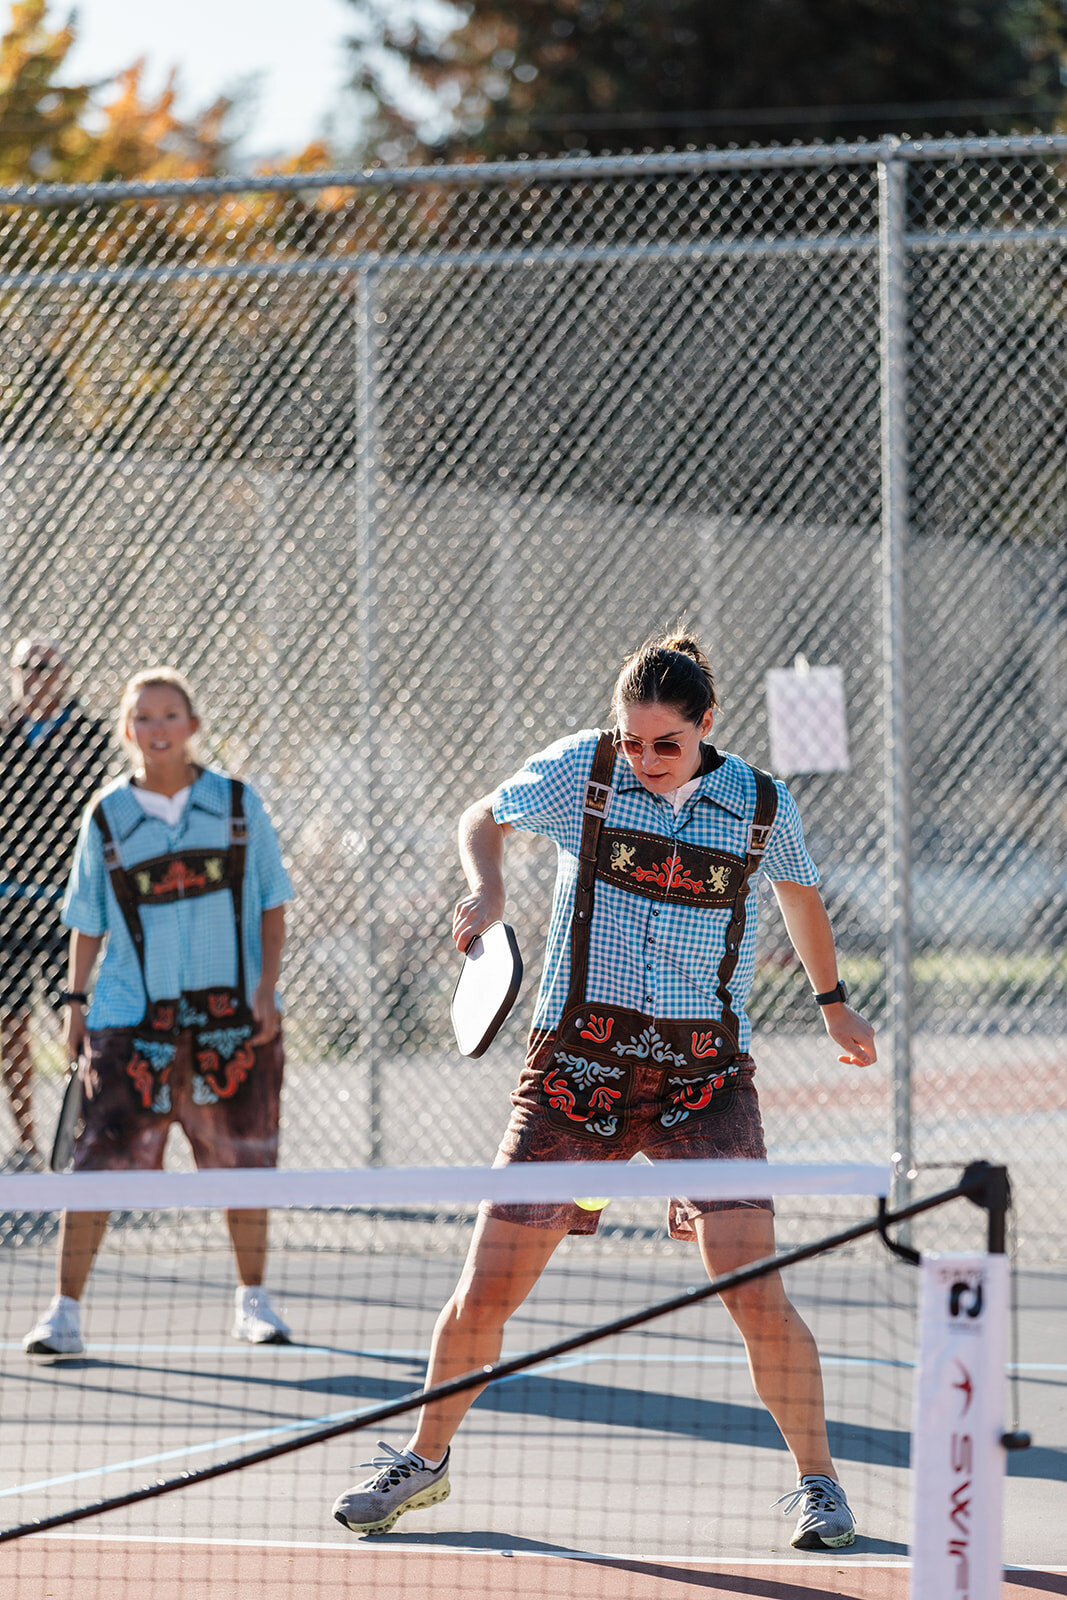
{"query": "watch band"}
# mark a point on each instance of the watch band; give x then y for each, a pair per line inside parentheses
(73, 997)
(832, 996)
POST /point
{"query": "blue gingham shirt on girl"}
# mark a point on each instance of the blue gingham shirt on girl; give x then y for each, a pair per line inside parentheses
(189, 944)
(653, 956)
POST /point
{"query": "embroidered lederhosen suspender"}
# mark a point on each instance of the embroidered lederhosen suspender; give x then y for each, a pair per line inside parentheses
(587, 1078)
(220, 1017)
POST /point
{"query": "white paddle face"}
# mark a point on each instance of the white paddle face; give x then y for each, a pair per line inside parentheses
(487, 989)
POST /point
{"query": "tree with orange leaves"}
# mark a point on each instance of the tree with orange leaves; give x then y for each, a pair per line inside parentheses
(54, 132)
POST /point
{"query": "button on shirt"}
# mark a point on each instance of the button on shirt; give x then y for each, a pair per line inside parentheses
(189, 944)
(660, 958)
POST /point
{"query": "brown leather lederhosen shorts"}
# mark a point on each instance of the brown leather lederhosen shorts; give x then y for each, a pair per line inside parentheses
(729, 1128)
(120, 1135)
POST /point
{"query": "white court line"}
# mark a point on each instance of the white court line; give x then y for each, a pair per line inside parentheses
(363, 1548)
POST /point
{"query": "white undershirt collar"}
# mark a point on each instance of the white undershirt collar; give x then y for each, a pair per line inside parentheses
(167, 807)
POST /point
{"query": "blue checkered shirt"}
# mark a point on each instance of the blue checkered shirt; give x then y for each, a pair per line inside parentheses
(189, 944)
(658, 957)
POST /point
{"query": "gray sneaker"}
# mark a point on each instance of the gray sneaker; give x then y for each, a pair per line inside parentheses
(398, 1483)
(825, 1522)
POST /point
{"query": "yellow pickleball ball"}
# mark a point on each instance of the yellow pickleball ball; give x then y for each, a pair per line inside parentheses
(592, 1204)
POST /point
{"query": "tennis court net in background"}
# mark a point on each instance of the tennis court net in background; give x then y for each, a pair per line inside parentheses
(623, 1456)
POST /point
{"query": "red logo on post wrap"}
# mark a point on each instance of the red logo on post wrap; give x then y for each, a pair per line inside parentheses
(965, 1386)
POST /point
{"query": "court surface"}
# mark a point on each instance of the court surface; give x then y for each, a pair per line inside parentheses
(639, 1467)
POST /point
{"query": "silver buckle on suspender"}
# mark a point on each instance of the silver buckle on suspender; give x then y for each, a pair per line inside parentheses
(111, 855)
(597, 804)
(238, 830)
(758, 835)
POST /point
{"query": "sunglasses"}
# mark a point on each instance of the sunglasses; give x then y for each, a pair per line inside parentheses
(37, 666)
(666, 749)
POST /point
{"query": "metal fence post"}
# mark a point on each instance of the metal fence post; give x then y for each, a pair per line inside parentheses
(368, 942)
(893, 365)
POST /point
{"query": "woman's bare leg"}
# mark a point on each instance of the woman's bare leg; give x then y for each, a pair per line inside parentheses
(80, 1233)
(248, 1235)
(503, 1263)
(782, 1355)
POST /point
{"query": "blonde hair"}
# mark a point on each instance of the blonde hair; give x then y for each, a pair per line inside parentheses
(156, 678)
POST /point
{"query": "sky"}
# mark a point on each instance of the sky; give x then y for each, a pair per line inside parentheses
(215, 44)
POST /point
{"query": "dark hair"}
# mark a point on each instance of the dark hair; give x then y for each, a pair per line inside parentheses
(671, 669)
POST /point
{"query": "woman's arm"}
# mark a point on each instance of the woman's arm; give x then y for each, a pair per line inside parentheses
(812, 938)
(481, 854)
(84, 949)
(264, 1010)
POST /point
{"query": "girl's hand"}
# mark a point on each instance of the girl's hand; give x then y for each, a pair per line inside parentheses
(74, 1031)
(852, 1032)
(473, 914)
(265, 1015)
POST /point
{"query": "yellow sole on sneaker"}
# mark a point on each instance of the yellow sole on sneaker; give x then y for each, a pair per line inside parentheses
(814, 1541)
(427, 1497)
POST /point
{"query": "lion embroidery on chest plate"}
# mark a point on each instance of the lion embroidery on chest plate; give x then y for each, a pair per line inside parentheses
(622, 857)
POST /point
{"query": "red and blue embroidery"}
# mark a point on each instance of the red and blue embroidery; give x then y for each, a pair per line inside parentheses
(589, 1080)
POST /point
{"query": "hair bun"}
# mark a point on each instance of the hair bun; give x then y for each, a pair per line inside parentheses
(685, 645)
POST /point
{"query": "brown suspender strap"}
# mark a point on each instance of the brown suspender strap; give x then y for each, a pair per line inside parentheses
(120, 883)
(597, 795)
(758, 834)
(238, 853)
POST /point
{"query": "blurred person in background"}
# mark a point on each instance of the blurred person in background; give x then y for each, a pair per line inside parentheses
(178, 886)
(53, 757)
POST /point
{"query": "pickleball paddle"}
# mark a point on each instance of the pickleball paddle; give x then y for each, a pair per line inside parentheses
(487, 988)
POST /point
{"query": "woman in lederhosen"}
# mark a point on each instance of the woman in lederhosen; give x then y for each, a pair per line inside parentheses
(640, 1039)
(178, 880)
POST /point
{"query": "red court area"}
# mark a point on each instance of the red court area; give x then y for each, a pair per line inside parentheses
(56, 1569)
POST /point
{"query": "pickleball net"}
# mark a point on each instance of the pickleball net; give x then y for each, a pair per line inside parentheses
(619, 1433)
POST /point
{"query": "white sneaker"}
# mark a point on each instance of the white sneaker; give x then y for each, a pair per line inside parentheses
(255, 1319)
(59, 1332)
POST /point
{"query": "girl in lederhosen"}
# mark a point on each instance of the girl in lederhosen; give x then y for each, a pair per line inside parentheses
(178, 880)
(640, 1040)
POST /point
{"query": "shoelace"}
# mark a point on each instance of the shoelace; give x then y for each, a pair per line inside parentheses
(393, 1466)
(821, 1493)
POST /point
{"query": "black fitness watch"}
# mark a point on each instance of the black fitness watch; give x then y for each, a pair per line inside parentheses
(832, 996)
(73, 997)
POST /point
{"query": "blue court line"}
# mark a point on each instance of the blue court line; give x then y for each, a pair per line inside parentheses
(186, 1450)
(576, 1359)
(289, 1352)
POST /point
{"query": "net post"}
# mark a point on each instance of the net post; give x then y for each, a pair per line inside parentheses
(892, 173)
(989, 1188)
(960, 1439)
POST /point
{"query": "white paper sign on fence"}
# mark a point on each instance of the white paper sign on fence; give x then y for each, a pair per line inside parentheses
(959, 1419)
(806, 715)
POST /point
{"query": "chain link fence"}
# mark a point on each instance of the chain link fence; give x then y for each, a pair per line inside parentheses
(397, 466)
